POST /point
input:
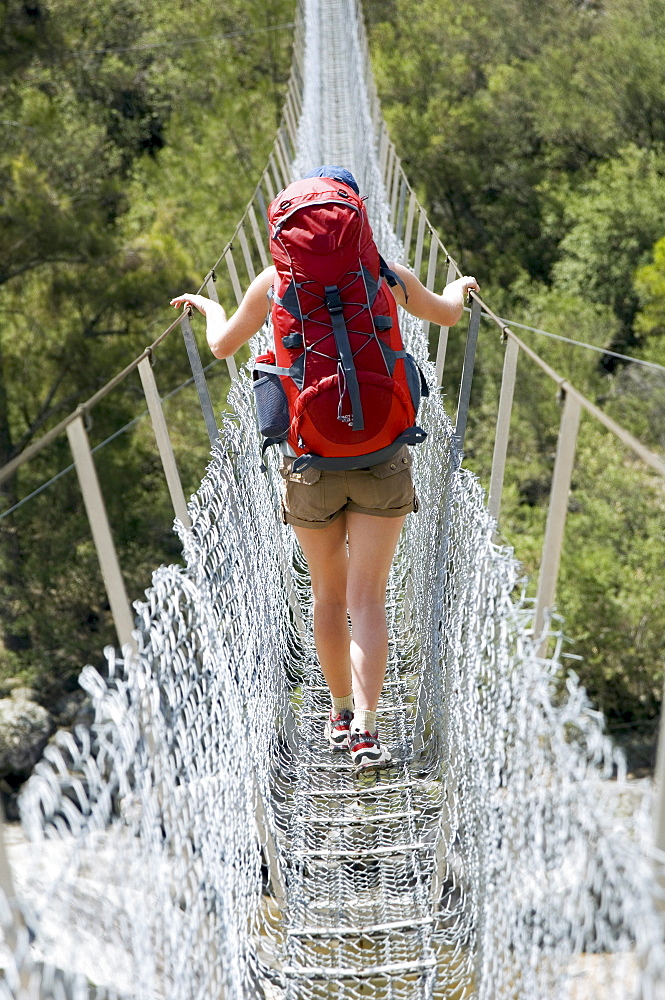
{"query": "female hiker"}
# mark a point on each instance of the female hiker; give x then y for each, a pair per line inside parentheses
(347, 520)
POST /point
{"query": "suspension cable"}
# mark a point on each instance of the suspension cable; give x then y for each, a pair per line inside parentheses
(102, 444)
(578, 343)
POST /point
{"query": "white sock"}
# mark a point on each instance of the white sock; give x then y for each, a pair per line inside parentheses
(364, 721)
(338, 704)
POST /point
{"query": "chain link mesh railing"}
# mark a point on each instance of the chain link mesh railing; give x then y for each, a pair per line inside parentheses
(198, 840)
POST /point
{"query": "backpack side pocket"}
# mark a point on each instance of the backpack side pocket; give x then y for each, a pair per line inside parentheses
(272, 406)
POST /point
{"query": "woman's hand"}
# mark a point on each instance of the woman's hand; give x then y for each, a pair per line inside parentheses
(199, 302)
(458, 290)
(454, 295)
(445, 309)
(225, 336)
(468, 283)
(215, 319)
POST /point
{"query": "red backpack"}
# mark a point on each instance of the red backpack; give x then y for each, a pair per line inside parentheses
(339, 386)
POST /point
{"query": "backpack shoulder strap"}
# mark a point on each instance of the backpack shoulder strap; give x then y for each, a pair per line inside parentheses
(392, 278)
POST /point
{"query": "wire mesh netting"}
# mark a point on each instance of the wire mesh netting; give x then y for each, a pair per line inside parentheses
(200, 840)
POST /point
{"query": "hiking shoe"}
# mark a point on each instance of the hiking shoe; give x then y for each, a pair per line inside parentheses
(367, 753)
(337, 729)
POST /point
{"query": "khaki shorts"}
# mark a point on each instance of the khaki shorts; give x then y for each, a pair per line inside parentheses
(317, 497)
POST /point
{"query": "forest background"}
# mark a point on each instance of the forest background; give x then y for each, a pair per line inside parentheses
(133, 133)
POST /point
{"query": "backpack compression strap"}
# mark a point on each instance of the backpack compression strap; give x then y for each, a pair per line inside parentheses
(334, 303)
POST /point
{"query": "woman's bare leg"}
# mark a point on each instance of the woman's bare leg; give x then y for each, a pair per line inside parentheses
(326, 555)
(372, 543)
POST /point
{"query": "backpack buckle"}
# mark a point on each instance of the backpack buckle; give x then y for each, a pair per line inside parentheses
(333, 300)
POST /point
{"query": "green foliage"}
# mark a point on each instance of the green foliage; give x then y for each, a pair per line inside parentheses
(650, 320)
(612, 222)
(500, 110)
(612, 560)
(133, 135)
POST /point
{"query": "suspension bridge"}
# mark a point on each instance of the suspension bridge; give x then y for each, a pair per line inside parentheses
(199, 841)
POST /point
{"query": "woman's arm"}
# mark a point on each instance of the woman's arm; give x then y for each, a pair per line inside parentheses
(445, 309)
(224, 335)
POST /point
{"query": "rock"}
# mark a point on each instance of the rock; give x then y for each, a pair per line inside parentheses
(24, 694)
(67, 708)
(8, 685)
(25, 728)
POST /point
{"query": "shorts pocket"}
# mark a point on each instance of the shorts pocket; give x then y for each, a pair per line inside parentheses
(398, 463)
(306, 478)
(306, 501)
(394, 492)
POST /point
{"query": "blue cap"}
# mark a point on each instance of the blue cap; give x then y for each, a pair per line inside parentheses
(336, 174)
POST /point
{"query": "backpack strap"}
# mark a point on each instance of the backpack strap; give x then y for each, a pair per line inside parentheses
(392, 278)
(334, 304)
(412, 435)
(289, 300)
(296, 371)
(263, 366)
(268, 443)
(390, 355)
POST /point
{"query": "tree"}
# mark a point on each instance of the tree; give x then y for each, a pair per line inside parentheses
(96, 235)
(502, 111)
(650, 290)
(612, 223)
